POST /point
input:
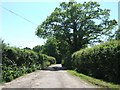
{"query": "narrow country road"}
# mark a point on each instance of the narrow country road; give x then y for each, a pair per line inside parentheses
(51, 78)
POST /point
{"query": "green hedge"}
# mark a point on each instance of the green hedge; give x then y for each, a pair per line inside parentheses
(17, 62)
(46, 60)
(101, 61)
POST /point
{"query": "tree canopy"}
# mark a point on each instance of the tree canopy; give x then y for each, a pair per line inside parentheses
(37, 48)
(51, 48)
(117, 33)
(77, 24)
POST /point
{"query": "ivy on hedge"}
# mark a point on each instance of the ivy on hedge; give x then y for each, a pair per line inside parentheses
(101, 61)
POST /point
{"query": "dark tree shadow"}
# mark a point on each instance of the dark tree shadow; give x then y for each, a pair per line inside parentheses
(55, 68)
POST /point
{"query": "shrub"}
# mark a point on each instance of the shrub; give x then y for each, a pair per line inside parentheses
(17, 62)
(46, 60)
(101, 61)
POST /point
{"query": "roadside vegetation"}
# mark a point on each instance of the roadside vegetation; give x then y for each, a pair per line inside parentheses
(17, 62)
(98, 82)
(98, 65)
(101, 61)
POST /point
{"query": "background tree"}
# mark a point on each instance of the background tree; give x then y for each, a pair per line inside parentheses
(37, 48)
(117, 33)
(51, 49)
(27, 48)
(75, 24)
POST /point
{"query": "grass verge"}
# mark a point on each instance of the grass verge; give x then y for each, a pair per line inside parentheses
(94, 81)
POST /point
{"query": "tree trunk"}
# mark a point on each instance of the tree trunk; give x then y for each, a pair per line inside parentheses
(75, 38)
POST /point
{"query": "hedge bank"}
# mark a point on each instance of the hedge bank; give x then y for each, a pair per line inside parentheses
(101, 61)
(17, 62)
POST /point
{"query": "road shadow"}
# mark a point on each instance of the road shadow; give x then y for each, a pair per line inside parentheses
(54, 68)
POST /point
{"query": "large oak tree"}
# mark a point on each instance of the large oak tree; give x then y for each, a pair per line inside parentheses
(77, 24)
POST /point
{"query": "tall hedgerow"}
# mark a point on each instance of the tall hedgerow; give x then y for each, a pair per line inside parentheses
(101, 61)
(17, 62)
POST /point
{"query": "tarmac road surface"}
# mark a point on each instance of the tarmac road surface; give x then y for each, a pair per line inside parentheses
(52, 77)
